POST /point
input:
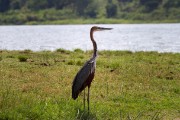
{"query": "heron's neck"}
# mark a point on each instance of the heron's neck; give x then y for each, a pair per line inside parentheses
(94, 44)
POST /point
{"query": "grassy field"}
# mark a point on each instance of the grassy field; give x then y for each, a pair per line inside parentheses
(127, 85)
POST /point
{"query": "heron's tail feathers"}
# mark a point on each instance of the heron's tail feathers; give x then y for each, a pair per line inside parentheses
(74, 95)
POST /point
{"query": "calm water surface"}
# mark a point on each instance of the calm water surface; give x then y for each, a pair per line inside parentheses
(134, 37)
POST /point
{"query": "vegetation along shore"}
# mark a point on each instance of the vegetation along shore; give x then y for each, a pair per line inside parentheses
(127, 85)
(88, 11)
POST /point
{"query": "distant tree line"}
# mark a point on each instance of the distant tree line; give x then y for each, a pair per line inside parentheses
(126, 9)
(84, 7)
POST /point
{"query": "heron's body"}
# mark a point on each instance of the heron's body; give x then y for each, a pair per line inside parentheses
(83, 78)
(86, 74)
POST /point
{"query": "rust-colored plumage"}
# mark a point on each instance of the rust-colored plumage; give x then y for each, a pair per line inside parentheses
(86, 74)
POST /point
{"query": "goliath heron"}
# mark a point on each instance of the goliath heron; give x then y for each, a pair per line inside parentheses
(85, 75)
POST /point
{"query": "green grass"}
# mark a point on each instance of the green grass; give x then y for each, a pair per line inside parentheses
(127, 85)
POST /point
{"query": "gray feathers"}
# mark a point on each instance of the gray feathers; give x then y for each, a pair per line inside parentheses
(81, 79)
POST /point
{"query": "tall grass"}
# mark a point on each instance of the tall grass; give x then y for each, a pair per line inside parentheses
(127, 85)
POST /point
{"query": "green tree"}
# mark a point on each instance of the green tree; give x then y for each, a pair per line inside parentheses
(81, 5)
(92, 9)
(50, 3)
(150, 5)
(4, 5)
(125, 0)
(111, 9)
(172, 3)
(37, 4)
(22, 3)
(60, 4)
(15, 4)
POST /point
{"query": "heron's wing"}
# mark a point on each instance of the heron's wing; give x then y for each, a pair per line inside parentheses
(82, 76)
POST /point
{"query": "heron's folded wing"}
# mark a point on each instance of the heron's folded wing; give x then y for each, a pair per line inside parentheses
(82, 75)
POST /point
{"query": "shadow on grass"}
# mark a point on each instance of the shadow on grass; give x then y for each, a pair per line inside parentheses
(82, 114)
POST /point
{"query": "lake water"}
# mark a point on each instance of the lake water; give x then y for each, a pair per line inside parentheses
(134, 37)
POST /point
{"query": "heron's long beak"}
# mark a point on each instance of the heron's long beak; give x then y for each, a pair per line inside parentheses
(101, 28)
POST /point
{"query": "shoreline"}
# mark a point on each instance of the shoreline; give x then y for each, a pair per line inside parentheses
(93, 21)
(78, 49)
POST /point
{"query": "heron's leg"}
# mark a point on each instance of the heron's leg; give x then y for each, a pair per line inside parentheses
(88, 97)
(84, 98)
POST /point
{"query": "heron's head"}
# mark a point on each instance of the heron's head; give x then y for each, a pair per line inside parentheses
(95, 28)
